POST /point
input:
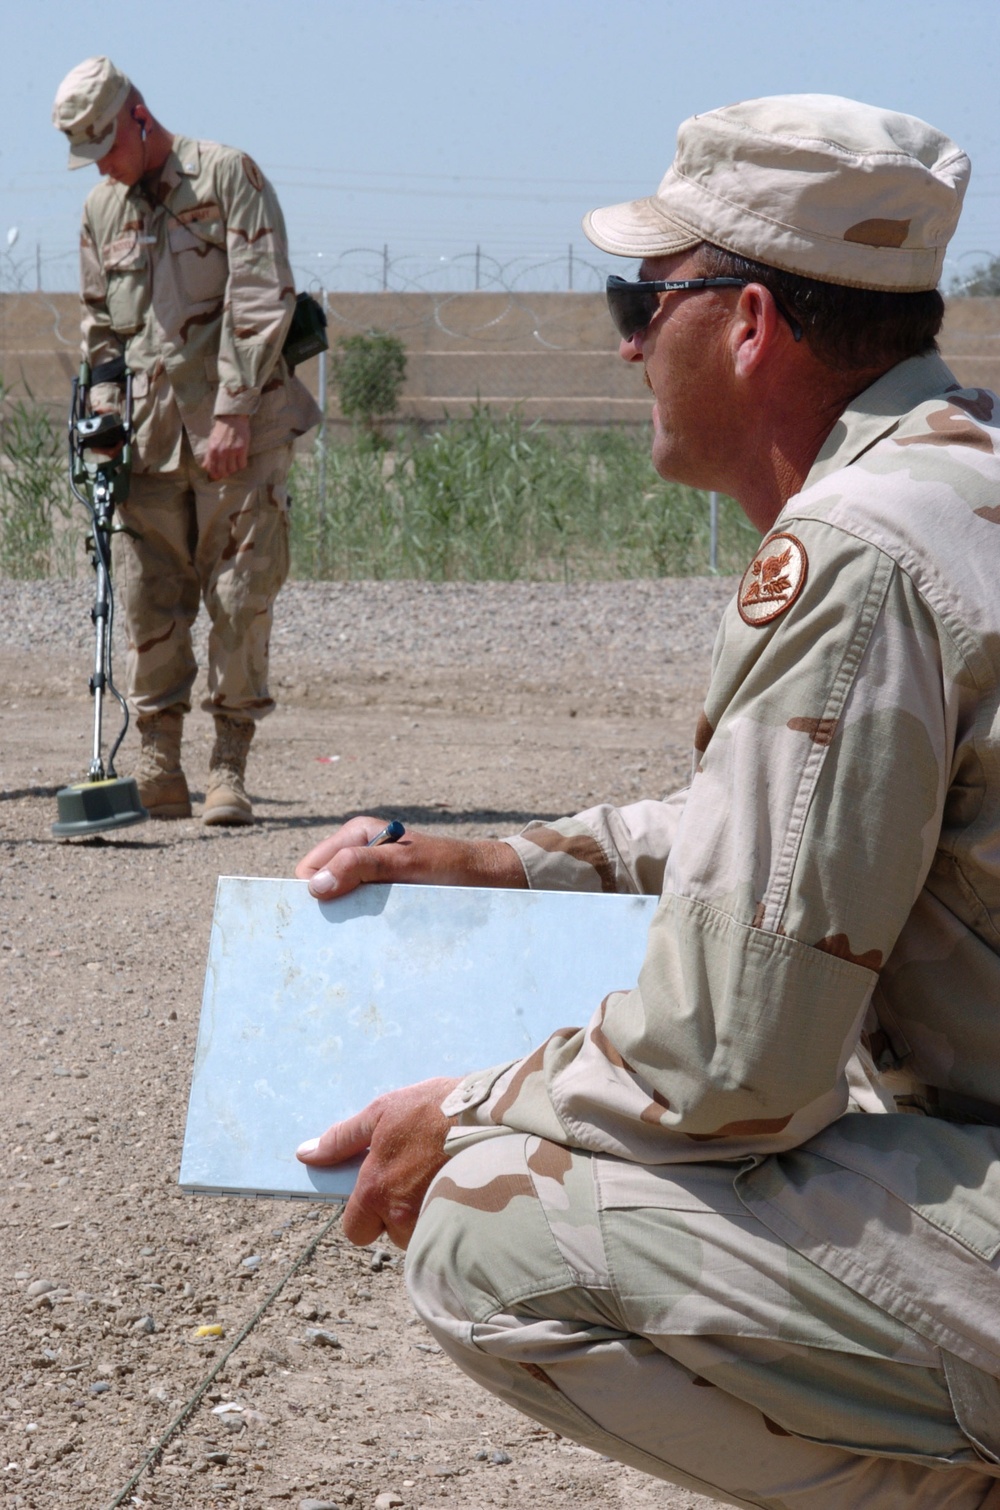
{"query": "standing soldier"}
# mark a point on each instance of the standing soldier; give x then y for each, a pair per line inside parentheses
(185, 280)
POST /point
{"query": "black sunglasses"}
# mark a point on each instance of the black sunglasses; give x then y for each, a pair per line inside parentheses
(634, 305)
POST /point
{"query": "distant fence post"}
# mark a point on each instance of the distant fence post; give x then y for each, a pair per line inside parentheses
(713, 532)
(321, 432)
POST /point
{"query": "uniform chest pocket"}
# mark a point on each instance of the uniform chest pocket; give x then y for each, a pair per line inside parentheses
(124, 263)
(199, 255)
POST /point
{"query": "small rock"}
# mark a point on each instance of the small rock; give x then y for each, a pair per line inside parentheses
(380, 1259)
(41, 1287)
(500, 1457)
(101, 1387)
(144, 1326)
(481, 1456)
(253, 1262)
(320, 1337)
(308, 1504)
(388, 1501)
(220, 1459)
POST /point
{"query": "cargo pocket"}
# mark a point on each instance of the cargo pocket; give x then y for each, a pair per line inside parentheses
(975, 1399)
(124, 263)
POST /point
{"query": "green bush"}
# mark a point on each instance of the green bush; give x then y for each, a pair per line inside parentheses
(368, 372)
(494, 498)
(34, 491)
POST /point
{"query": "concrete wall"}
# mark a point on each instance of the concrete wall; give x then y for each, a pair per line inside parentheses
(553, 355)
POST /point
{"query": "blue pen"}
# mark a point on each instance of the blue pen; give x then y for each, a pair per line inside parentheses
(391, 834)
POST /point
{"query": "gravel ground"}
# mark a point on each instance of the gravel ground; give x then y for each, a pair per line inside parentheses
(525, 631)
(464, 708)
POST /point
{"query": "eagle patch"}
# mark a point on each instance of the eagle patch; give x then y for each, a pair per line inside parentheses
(773, 580)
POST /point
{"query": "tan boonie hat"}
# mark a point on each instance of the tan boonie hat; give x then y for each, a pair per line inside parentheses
(86, 109)
(811, 183)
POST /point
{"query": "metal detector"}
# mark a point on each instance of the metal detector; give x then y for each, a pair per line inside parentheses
(100, 461)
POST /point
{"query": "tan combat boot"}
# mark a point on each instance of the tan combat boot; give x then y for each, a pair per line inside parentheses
(226, 800)
(163, 790)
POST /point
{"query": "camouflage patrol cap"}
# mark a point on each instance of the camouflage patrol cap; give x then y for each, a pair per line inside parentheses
(811, 183)
(86, 108)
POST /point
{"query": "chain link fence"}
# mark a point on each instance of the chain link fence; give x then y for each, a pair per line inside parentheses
(476, 332)
(524, 341)
(530, 333)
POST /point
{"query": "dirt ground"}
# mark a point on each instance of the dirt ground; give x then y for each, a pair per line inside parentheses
(106, 1269)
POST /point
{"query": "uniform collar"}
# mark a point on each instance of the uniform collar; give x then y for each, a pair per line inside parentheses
(878, 410)
(184, 162)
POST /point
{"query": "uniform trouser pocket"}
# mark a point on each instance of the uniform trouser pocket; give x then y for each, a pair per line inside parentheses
(976, 1400)
(242, 559)
(681, 1340)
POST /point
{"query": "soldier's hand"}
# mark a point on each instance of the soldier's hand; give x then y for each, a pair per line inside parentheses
(403, 1133)
(344, 861)
(228, 446)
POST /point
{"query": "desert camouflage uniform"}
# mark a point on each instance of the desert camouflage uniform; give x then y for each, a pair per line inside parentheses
(188, 274)
(659, 1233)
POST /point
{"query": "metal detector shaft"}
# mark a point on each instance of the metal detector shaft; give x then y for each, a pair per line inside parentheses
(100, 615)
(100, 451)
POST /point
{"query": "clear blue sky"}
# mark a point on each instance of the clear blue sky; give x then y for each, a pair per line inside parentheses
(433, 125)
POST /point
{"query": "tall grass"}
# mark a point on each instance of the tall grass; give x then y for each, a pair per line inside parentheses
(488, 498)
(35, 500)
(495, 498)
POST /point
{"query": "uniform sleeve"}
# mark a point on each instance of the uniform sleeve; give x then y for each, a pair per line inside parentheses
(260, 289)
(806, 836)
(99, 343)
(622, 849)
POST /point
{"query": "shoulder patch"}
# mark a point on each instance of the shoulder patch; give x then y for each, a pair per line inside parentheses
(253, 173)
(773, 580)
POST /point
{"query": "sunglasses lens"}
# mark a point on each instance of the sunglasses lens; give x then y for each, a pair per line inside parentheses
(631, 307)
